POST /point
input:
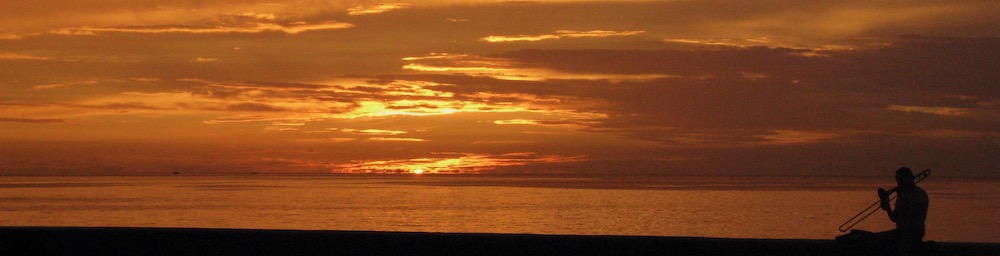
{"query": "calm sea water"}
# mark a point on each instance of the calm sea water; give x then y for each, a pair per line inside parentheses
(961, 210)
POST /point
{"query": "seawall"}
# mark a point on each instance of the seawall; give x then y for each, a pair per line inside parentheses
(193, 241)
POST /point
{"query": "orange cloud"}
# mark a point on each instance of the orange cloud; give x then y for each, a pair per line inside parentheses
(396, 139)
(504, 69)
(811, 51)
(787, 137)
(516, 121)
(734, 42)
(597, 33)
(376, 9)
(371, 131)
(248, 22)
(381, 132)
(10, 36)
(252, 28)
(19, 56)
(942, 111)
(58, 85)
(518, 38)
(205, 59)
(559, 34)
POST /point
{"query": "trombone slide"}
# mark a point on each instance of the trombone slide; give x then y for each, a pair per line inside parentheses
(874, 207)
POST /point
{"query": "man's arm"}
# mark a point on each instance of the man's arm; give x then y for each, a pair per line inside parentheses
(883, 197)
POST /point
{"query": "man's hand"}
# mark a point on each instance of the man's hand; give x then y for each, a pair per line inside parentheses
(883, 197)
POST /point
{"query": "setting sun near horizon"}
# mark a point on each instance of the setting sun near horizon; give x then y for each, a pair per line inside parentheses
(594, 87)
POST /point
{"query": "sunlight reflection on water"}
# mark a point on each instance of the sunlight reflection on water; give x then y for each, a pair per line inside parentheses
(961, 210)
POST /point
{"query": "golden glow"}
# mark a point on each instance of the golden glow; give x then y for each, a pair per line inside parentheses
(277, 106)
(418, 171)
(454, 163)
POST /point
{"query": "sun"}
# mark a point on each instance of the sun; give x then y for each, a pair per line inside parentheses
(418, 171)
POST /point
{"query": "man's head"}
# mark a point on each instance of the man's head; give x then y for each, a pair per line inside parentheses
(904, 178)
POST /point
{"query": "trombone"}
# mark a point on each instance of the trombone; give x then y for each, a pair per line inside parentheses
(874, 207)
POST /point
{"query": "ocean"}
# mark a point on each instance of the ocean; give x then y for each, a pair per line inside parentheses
(962, 210)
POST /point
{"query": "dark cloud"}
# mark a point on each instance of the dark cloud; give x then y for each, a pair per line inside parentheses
(958, 65)
(762, 87)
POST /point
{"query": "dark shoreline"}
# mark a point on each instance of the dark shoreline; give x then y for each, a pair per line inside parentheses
(193, 241)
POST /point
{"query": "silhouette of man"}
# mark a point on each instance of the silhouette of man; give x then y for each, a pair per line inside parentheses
(909, 214)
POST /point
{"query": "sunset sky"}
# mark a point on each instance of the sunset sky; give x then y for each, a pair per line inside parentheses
(686, 87)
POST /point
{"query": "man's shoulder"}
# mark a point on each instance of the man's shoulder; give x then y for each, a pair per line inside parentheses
(918, 194)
